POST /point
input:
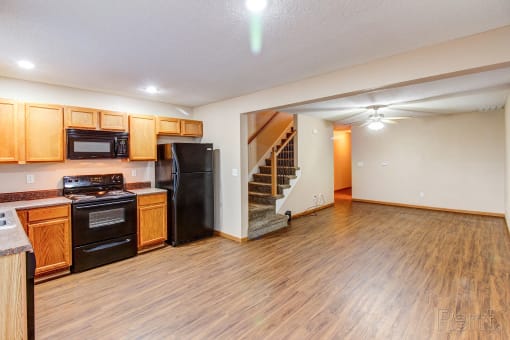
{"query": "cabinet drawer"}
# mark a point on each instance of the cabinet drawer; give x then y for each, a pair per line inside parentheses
(152, 199)
(48, 213)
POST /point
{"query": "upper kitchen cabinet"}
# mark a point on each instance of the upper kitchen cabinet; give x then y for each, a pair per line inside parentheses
(81, 118)
(44, 133)
(169, 126)
(109, 120)
(191, 128)
(9, 135)
(142, 138)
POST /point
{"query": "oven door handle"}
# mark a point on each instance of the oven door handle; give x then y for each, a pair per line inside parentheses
(100, 205)
(107, 246)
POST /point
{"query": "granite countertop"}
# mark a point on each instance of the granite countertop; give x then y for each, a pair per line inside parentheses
(14, 240)
(147, 191)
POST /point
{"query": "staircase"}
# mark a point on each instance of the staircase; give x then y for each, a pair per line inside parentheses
(263, 193)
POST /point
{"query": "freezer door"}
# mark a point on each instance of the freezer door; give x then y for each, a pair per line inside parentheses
(192, 207)
(192, 157)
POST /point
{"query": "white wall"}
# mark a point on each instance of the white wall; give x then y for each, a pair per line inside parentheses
(222, 118)
(315, 150)
(51, 94)
(507, 182)
(456, 161)
(49, 175)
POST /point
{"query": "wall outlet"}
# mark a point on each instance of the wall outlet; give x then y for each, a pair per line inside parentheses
(422, 194)
(314, 200)
(133, 173)
(30, 179)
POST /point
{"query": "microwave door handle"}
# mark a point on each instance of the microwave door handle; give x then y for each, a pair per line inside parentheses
(115, 146)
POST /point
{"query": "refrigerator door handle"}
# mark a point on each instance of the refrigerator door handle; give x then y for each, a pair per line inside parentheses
(176, 186)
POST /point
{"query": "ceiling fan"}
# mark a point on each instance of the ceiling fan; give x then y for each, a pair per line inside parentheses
(376, 120)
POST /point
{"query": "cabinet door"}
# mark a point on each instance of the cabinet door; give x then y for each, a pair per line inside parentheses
(9, 135)
(112, 121)
(192, 128)
(169, 126)
(81, 118)
(142, 138)
(152, 225)
(51, 243)
(44, 126)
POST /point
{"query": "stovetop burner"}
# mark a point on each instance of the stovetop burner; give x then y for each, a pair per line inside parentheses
(95, 187)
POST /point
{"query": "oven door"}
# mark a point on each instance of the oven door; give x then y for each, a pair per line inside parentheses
(102, 220)
(86, 147)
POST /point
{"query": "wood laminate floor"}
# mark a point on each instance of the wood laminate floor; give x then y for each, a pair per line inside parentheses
(355, 271)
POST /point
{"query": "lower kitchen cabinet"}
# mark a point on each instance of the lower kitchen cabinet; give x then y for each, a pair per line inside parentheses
(49, 231)
(152, 229)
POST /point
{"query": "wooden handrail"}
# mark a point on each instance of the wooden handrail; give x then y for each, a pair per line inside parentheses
(256, 133)
(274, 160)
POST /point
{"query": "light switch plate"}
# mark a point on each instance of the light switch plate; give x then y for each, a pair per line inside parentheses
(235, 172)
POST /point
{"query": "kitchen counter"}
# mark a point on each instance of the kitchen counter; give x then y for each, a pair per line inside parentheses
(147, 191)
(14, 240)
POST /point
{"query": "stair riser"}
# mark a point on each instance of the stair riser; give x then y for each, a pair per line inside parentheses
(261, 200)
(263, 188)
(263, 231)
(288, 171)
(264, 223)
(256, 216)
(281, 162)
(262, 179)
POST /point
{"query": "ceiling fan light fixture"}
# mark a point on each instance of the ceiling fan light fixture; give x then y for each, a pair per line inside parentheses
(377, 125)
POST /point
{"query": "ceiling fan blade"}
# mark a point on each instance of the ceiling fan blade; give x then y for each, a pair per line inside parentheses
(365, 123)
(398, 118)
(384, 120)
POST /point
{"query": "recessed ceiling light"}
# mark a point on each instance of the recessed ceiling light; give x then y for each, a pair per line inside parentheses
(151, 89)
(256, 5)
(25, 64)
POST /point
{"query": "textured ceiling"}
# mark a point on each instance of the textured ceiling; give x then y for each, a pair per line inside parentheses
(198, 51)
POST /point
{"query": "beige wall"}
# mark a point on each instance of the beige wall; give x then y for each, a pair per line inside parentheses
(223, 118)
(315, 149)
(456, 161)
(49, 175)
(342, 159)
(507, 182)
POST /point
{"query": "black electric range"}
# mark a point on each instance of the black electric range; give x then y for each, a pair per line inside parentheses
(103, 220)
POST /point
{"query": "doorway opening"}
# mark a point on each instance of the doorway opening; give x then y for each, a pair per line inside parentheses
(342, 163)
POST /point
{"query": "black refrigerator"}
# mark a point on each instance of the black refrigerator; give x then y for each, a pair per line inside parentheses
(185, 170)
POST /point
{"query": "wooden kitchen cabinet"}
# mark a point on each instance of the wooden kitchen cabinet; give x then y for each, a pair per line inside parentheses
(152, 219)
(110, 120)
(169, 126)
(44, 133)
(9, 135)
(49, 231)
(191, 128)
(81, 118)
(142, 138)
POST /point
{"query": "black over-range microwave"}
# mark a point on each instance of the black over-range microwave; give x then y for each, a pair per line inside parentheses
(92, 144)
